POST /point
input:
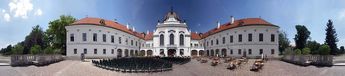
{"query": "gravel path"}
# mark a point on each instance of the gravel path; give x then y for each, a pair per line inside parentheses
(193, 68)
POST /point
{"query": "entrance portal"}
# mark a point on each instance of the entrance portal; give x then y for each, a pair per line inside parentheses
(194, 53)
(244, 54)
(171, 52)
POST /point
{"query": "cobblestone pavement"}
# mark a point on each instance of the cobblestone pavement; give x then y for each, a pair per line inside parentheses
(193, 68)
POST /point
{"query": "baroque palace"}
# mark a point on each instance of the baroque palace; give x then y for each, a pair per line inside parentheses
(99, 38)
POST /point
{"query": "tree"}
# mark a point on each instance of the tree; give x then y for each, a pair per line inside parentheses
(36, 49)
(57, 32)
(34, 38)
(7, 50)
(342, 50)
(314, 46)
(283, 41)
(301, 36)
(305, 51)
(324, 50)
(17, 49)
(298, 52)
(331, 38)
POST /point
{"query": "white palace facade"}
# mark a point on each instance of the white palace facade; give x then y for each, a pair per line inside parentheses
(100, 38)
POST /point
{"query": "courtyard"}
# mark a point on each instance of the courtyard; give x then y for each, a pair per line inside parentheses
(192, 68)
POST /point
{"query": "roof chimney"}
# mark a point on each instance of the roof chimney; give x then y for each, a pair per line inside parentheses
(133, 28)
(218, 24)
(232, 19)
(147, 32)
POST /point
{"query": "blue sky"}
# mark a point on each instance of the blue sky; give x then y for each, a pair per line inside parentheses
(17, 17)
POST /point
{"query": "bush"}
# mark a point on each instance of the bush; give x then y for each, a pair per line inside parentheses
(298, 52)
(49, 50)
(288, 51)
(36, 49)
(324, 50)
(17, 49)
(306, 51)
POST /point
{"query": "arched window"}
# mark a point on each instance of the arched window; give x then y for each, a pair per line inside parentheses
(171, 39)
(161, 37)
(181, 39)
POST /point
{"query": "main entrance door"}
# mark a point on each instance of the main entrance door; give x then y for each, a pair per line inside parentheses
(171, 52)
(244, 53)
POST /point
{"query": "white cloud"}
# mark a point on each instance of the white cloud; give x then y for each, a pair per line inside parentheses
(3, 10)
(7, 17)
(20, 8)
(38, 12)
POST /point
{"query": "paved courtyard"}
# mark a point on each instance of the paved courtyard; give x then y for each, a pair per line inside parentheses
(193, 68)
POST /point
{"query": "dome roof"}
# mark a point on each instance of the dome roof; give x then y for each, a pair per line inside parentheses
(171, 14)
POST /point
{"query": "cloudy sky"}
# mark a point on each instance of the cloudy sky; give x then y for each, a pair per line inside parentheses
(17, 17)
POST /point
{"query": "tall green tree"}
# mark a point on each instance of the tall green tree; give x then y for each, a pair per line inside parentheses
(314, 46)
(57, 32)
(34, 38)
(283, 41)
(301, 37)
(331, 38)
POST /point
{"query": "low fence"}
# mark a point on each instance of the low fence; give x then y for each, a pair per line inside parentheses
(24, 60)
(318, 60)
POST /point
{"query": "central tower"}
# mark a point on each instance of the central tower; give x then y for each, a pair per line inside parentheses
(171, 37)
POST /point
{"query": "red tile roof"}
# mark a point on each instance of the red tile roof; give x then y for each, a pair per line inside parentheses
(108, 23)
(238, 23)
(149, 36)
(195, 36)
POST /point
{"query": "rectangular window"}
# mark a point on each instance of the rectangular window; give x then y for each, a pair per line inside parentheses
(104, 38)
(249, 51)
(94, 51)
(261, 37)
(261, 51)
(126, 41)
(240, 38)
(231, 39)
(249, 37)
(75, 51)
(94, 37)
(211, 42)
(112, 39)
(112, 51)
(72, 37)
(85, 51)
(231, 51)
(223, 40)
(84, 36)
(132, 42)
(272, 51)
(239, 51)
(119, 40)
(217, 41)
(272, 38)
(104, 51)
